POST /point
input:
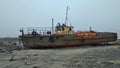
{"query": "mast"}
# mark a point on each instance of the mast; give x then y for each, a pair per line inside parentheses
(90, 28)
(66, 15)
(52, 25)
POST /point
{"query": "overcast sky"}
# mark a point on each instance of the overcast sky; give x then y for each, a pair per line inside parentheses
(102, 15)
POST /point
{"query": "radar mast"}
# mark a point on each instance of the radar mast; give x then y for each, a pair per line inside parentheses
(66, 15)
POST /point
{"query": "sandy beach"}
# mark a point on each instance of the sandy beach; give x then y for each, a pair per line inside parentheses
(101, 56)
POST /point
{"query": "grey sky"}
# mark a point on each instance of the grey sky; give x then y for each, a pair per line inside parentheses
(102, 15)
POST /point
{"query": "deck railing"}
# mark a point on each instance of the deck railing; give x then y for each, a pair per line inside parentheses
(38, 30)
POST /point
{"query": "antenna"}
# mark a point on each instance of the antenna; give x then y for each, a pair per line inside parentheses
(66, 14)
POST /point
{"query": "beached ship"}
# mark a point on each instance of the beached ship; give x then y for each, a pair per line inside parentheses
(63, 35)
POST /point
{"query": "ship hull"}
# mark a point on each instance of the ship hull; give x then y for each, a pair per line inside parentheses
(38, 41)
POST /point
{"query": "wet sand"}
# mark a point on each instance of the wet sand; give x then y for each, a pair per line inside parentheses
(104, 56)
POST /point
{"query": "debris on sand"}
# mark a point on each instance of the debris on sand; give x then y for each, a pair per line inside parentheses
(12, 58)
(8, 45)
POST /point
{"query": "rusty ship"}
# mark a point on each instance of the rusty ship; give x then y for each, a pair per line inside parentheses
(63, 35)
